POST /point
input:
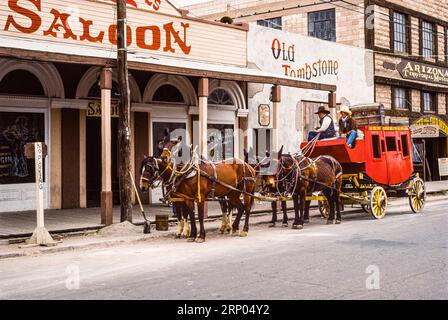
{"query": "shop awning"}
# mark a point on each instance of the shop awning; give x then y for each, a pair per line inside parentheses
(29, 49)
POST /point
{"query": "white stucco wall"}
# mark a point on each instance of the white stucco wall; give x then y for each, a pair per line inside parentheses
(353, 76)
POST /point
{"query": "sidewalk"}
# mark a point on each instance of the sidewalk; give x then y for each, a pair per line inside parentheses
(22, 224)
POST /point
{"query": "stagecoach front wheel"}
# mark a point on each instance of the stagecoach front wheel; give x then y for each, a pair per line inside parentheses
(417, 195)
(324, 209)
(378, 202)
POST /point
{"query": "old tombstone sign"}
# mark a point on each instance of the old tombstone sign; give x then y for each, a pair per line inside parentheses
(264, 115)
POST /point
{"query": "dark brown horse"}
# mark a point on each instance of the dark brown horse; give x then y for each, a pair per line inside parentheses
(300, 176)
(202, 180)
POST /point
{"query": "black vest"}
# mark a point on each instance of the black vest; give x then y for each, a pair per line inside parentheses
(331, 131)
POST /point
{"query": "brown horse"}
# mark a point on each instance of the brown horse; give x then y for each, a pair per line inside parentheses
(300, 176)
(203, 180)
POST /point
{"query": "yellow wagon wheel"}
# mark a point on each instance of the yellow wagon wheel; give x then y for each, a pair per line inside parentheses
(378, 202)
(417, 195)
(324, 209)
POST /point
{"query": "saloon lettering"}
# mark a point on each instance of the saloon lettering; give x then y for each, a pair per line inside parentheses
(308, 71)
(149, 37)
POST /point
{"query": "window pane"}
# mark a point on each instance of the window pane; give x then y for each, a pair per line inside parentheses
(404, 145)
(322, 24)
(400, 37)
(376, 146)
(427, 39)
(400, 98)
(428, 101)
(275, 23)
(391, 144)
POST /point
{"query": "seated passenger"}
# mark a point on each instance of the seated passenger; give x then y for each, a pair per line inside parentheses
(347, 126)
(326, 129)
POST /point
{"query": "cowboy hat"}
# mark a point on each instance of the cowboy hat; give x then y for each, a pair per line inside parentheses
(346, 110)
(322, 110)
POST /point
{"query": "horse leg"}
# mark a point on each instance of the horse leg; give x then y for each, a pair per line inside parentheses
(247, 207)
(337, 201)
(223, 205)
(285, 214)
(185, 214)
(180, 220)
(274, 214)
(295, 199)
(228, 228)
(307, 211)
(329, 196)
(190, 207)
(236, 202)
(201, 208)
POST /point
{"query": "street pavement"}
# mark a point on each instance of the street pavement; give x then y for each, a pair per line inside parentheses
(403, 256)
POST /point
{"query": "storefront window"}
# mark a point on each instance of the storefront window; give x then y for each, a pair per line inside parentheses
(401, 98)
(220, 142)
(16, 130)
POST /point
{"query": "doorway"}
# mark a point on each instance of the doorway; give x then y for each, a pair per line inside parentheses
(94, 161)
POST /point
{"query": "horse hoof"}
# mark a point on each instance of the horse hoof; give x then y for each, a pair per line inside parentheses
(329, 221)
(200, 240)
(338, 221)
(177, 236)
(285, 225)
(227, 231)
(243, 234)
(297, 227)
(191, 240)
(235, 233)
(307, 221)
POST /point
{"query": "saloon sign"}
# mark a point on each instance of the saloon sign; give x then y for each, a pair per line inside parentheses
(423, 72)
(153, 27)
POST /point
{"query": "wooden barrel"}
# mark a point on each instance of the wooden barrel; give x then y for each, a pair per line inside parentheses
(162, 222)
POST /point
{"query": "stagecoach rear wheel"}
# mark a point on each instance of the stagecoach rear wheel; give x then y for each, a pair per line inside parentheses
(324, 209)
(417, 195)
(378, 202)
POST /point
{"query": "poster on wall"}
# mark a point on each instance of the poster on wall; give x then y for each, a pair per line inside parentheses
(16, 130)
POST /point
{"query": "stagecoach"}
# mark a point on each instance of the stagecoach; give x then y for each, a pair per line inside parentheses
(379, 165)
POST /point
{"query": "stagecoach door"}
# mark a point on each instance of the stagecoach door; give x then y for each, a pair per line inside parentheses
(393, 156)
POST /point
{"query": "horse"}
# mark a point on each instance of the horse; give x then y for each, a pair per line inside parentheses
(226, 179)
(268, 188)
(302, 176)
(150, 176)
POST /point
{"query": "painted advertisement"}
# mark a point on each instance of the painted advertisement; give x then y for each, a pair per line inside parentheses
(306, 59)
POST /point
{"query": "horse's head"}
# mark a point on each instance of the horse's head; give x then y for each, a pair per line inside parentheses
(269, 168)
(149, 173)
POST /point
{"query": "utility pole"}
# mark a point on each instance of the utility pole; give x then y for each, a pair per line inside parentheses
(124, 120)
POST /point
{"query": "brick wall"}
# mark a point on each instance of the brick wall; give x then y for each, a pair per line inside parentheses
(383, 94)
(442, 103)
(416, 101)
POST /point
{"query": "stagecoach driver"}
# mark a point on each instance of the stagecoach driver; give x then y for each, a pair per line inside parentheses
(347, 126)
(326, 129)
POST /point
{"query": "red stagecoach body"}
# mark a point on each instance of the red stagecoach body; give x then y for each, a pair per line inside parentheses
(384, 155)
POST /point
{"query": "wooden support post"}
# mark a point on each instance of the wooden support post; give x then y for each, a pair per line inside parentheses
(124, 120)
(276, 100)
(203, 115)
(106, 167)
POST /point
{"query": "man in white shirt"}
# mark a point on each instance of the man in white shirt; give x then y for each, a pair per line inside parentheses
(326, 129)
